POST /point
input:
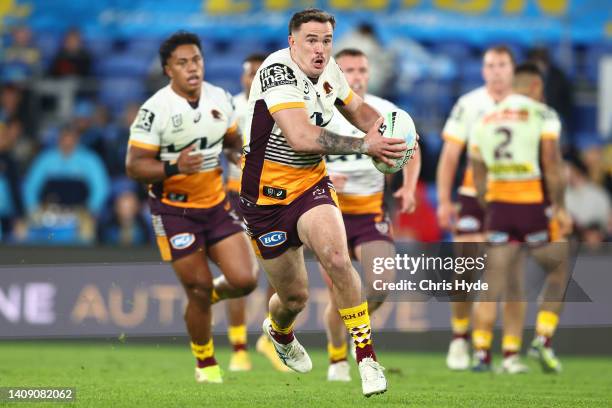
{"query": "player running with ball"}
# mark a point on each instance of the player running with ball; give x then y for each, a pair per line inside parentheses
(287, 200)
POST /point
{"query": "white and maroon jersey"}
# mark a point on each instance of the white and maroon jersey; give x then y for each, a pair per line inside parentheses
(363, 190)
(460, 125)
(274, 173)
(167, 124)
(233, 171)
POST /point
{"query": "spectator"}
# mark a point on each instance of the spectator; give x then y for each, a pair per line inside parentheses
(11, 207)
(557, 88)
(364, 38)
(587, 202)
(116, 141)
(126, 226)
(72, 60)
(67, 175)
(92, 133)
(21, 58)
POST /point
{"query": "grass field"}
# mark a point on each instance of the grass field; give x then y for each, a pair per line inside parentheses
(130, 375)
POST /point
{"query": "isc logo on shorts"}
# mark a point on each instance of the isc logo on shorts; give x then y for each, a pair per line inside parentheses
(272, 239)
(182, 241)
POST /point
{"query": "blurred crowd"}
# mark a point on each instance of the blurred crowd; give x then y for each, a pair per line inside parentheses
(62, 175)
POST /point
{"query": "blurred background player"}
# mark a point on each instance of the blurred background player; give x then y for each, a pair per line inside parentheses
(286, 197)
(466, 222)
(236, 308)
(174, 145)
(506, 148)
(360, 194)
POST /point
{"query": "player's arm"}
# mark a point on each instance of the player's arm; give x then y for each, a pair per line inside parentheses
(232, 144)
(552, 167)
(145, 166)
(303, 136)
(480, 174)
(445, 176)
(359, 113)
(410, 173)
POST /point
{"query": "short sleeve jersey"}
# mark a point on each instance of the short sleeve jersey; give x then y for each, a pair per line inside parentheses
(274, 173)
(363, 191)
(167, 124)
(460, 124)
(508, 139)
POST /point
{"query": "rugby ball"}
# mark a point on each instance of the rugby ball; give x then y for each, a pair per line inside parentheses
(398, 124)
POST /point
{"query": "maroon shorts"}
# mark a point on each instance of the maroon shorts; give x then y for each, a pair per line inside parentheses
(508, 222)
(361, 228)
(273, 228)
(182, 231)
(471, 215)
(234, 198)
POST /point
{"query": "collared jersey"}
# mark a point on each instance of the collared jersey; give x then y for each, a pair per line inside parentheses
(167, 124)
(274, 173)
(363, 190)
(508, 139)
(460, 124)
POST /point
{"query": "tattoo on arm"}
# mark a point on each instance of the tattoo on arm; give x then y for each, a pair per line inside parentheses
(333, 143)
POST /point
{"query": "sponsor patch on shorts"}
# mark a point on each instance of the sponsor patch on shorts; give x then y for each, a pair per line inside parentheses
(182, 241)
(537, 237)
(498, 237)
(468, 223)
(272, 239)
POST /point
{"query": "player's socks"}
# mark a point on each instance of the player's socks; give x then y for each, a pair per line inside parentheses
(511, 345)
(283, 335)
(337, 354)
(204, 354)
(357, 321)
(460, 328)
(238, 337)
(481, 340)
(546, 324)
(214, 297)
(541, 347)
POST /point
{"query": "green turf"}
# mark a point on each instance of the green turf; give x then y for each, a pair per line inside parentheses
(129, 375)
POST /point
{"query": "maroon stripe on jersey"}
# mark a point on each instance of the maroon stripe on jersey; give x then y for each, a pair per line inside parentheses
(261, 126)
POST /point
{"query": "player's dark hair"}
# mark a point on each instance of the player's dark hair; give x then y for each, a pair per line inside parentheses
(349, 52)
(502, 49)
(173, 42)
(308, 15)
(529, 68)
(256, 58)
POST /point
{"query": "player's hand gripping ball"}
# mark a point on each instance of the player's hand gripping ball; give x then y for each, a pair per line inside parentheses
(400, 125)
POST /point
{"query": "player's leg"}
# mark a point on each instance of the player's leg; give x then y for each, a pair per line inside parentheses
(554, 259)
(365, 252)
(485, 309)
(337, 348)
(458, 356)
(514, 307)
(265, 346)
(468, 237)
(196, 278)
(330, 247)
(234, 256)
(287, 274)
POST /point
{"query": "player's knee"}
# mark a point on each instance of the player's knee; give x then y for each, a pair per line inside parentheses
(336, 261)
(199, 291)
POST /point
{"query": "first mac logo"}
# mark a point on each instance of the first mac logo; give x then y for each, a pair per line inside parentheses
(272, 239)
(275, 75)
